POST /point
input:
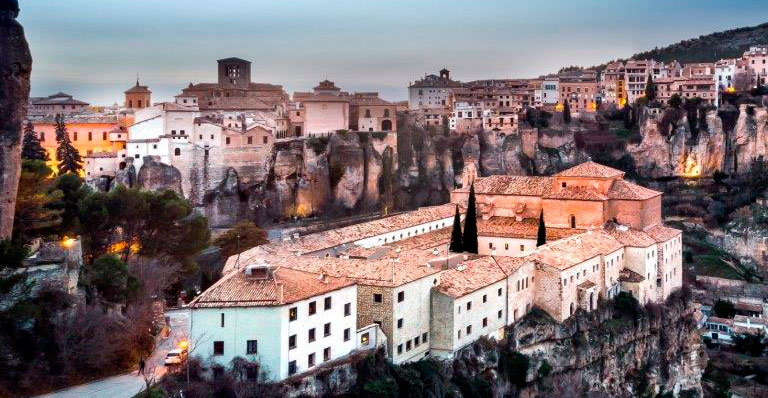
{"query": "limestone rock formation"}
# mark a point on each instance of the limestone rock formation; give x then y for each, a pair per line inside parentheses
(125, 177)
(750, 137)
(347, 161)
(223, 205)
(157, 176)
(15, 70)
(313, 191)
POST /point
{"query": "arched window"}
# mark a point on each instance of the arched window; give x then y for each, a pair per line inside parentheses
(573, 221)
(386, 125)
(177, 152)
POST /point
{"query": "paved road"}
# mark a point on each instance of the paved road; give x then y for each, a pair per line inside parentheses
(128, 385)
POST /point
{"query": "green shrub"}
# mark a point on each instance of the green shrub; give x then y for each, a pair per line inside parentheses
(379, 135)
(317, 144)
(382, 388)
(545, 369)
(514, 366)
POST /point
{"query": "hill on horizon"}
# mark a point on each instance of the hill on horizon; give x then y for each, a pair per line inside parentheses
(706, 48)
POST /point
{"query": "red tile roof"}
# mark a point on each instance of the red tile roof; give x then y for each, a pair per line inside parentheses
(507, 227)
(662, 233)
(625, 190)
(565, 253)
(511, 185)
(575, 192)
(284, 286)
(590, 169)
(627, 275)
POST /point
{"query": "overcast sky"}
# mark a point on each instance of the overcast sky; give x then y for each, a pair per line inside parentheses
(94, 48)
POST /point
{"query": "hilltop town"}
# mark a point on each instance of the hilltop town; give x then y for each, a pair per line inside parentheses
(597, 230)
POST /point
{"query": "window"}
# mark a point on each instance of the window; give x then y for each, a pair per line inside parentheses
(251, 347)
(327, 354)
(459, 334)
(293, 314)
(42, 136)
(469, 330)
(499, 314)
(400, 297)
(499, 292)
(292, 368)
(218, 348)
(327, 303)
(136, 156)
(408, 345)
(226, 140)
(485, 298)
(311, 335)
(347, 309)
(250, 140)
(312, 308)
(377, 298)
(346, 334)
(327, 329)
(74, 135)
(90, 136)
(291, 341)
(424, 337)
(416, 341)
(522, 248)
(400, 349)
(222, 319)
(400, 323)
(485, 322)
(469, 305)
(311, 360)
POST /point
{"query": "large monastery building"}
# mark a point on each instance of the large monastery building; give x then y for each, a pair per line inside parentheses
(416, 298)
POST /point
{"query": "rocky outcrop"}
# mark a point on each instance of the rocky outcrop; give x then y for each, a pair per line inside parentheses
(157, 176)
(224, 206)
(750, 137)
(15, 70)
(347, 161)
(125, 177)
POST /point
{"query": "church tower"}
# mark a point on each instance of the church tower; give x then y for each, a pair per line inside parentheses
(138, 96)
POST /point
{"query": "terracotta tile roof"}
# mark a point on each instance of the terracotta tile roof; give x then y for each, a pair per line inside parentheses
(284, 286)
(662, 233)
(751, 319)
(748, 307)
(627, 275)
(326, 98)
(332, 238)
(590, 169)
(625, 190)
(511, 185)
(507, 227)
(574, 192)
(722, 321)
(565, 253)
(630, 237)
(470, 276)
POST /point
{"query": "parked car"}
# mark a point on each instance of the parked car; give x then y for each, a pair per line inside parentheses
(175, 357)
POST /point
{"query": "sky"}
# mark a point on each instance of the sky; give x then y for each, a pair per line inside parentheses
(93, 49)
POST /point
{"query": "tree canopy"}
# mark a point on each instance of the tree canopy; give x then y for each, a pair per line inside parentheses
(31, 148)
(241, 237)
(67, 155)
(33, 215)
(455, 245)
(566, 112)
(541, 237)
(469, 239)
(650, 89)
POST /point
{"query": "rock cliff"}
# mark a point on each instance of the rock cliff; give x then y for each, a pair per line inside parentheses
(15, 70)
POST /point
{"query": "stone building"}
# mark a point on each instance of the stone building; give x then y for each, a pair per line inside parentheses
(59, 103)
(432, 92)
(580, 89)
(604, 236)
(138, 97)
(234, 90)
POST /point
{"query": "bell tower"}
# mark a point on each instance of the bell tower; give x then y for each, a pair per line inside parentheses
(138, 97)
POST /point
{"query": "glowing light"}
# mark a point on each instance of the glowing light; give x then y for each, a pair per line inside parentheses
(731, 89)
(691, 168)
(559, 107)
(184, 344)
(67, 242)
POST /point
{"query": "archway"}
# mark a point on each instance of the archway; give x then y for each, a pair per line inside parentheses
(386, 125)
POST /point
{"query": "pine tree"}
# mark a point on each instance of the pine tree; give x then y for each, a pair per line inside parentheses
(566, 112)
(541, 238)
(650, 89)
(68, 156)
(456, 233)
(31, 148)
(469, 240)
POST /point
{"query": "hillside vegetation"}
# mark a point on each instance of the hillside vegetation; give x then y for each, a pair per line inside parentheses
(706, 48)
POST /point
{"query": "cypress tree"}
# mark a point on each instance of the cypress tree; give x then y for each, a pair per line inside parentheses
(650, 89)
(31, 148)
(456, 233)
(469, 240)
(566, 112)
(68, 156)
(541, 238)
